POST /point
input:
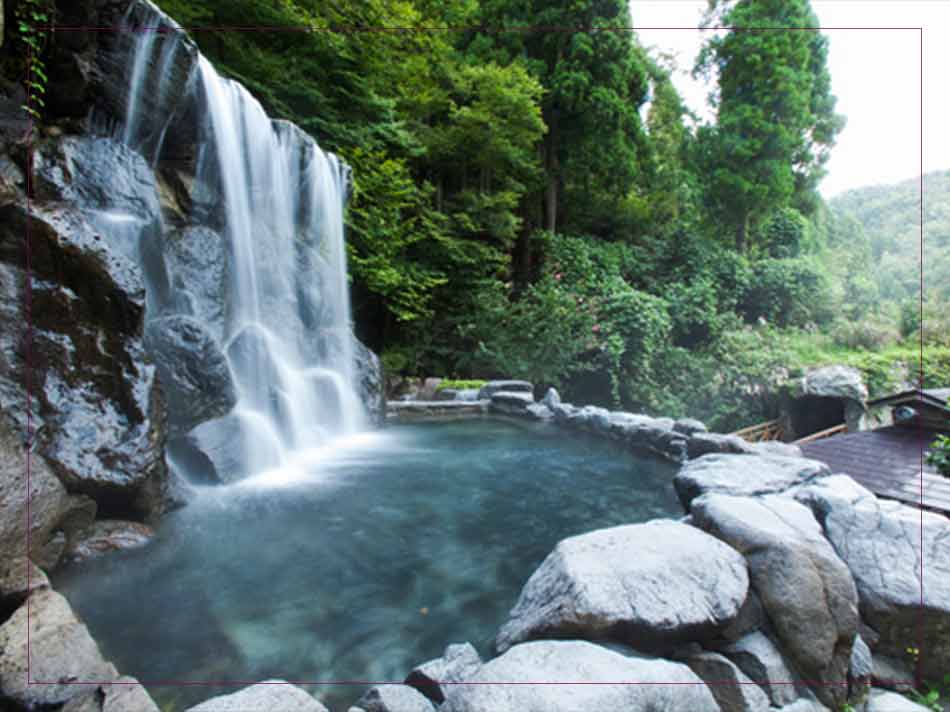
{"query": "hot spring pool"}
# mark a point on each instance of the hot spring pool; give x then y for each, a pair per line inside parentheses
(410, 539)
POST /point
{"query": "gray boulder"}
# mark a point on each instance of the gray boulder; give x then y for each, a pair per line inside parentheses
(55, 516)
(196, 259)
(774, 447)
(510, 402)
(892, 673)
(744, 475)
(689, 426)
(806, 590)
(18, 579)
(192, 370)
(649, 585)
(604, 671)
(551, 398)
(734, 692)
(268, 696)
(457, 664)
(493, 387)
(125, 694)
(394, 698)
(860, 670)
(699, 444)
(762, 662)
(539, 411)
(882, 543)
(841, 382)
(60, 649)
(107, 535)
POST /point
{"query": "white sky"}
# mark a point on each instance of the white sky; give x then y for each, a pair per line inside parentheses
(875, 73)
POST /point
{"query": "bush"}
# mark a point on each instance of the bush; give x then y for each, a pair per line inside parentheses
(792, 292)
(872, 334)
(939, 455)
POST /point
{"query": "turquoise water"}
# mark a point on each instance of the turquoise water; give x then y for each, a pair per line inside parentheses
(360, 563)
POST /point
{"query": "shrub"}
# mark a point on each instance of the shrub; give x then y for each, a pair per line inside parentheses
(787, 292)
(939, 455)
(873, 334)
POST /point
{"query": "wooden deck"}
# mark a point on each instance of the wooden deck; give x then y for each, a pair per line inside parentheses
(888, 461)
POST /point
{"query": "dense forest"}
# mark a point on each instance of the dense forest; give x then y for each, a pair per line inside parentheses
(531, 197)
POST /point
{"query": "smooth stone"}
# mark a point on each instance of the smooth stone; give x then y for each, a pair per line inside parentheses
(123, 695)
(268, 696)
(458, 663)
(700, 444)
(734, 692)
(892, 673)
(689, 426)
(539, 411)
(762, 662)
(601, 669)
(774, 447)
(394, 698)
(649, 585)
(551, 398)
(744, 475)
(493, 387)
(61, 651)
(109, 535)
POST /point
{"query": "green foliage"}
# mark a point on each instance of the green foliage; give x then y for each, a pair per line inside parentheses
(33, 17)
(790, 292)
(460, 384)
(775, 119)
(939, 455)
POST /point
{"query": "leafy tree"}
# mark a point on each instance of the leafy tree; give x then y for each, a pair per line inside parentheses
(775, 120)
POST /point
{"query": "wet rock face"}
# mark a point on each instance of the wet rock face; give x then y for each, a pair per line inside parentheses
(193, 371)
(99, 414)
(648, 585)
(371, 382)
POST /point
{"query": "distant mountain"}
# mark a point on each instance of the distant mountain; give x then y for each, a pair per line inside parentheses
(886, 219)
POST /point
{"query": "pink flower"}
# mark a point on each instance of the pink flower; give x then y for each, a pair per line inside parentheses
(557, 276)
(595, 328)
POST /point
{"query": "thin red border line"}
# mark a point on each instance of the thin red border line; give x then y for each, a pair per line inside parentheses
(918, 664)
(487, 30)
(28, 305)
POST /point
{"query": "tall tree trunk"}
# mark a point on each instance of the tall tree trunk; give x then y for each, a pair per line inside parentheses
(742, 235)
(552, 171)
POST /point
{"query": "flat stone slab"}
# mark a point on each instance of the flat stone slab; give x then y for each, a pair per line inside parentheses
(493, 387)
(605, 672)
(744, 475)
(649, 585)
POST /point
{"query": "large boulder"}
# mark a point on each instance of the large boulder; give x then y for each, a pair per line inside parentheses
(701, 443)
(888, 547)
(192, 369)
(267, 696)
(842, 383)
(56, 517)
(648, 585)
(99, 416)
(744, 475)
(806, 590)
(884, 701)
(196, 258)
(459, 663)
(601, 671)
(61, 651)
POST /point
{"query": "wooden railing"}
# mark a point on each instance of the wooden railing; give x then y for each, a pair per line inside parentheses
(827, 433)
(769, 430)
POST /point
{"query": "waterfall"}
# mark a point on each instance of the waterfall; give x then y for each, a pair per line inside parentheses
(277, 204)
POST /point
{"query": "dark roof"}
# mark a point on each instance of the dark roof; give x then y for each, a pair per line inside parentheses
(888, 461)
(936, 397)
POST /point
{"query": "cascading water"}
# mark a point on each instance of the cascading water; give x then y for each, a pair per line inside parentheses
(287, 338)
(277, 203)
